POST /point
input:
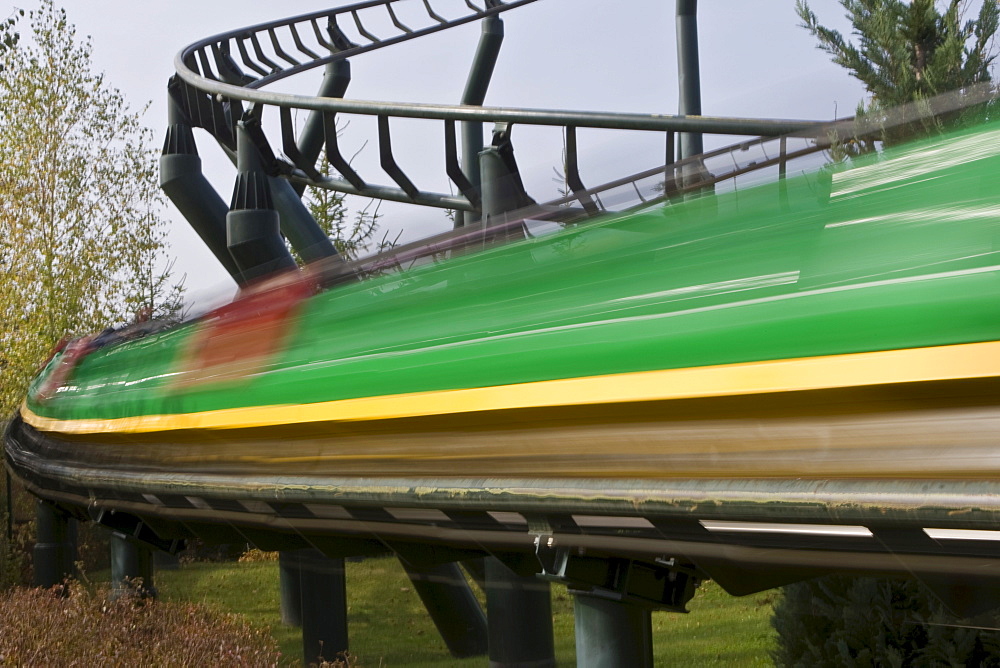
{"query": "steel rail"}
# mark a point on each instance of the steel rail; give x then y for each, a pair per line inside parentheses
(213, 87)
(621, 121)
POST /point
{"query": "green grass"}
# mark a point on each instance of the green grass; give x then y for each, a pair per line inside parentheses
(389, 627)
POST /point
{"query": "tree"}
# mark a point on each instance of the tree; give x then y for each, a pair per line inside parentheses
(81, 232)
(859, 621)
(352, 234)
(910, 52)
(8, 36)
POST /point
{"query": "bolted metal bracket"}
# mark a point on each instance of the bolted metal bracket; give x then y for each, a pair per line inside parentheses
(663, 584)
(130, 526)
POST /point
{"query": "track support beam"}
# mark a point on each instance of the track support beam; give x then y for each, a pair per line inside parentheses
(452, 605)
(184, 183)
(252, 224)
(323, 605)
(475, 94)
(612, 634)
(131, 567)
(519, 611)
(55, 546)
(289, 588)
(688, 73)
(502, 188)
(336, 78)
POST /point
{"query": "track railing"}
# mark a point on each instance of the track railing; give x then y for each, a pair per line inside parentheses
(222, 80)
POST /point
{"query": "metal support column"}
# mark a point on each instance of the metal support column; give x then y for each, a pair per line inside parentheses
(336, 79)
(289, 588)
(612, 634)
(688, 73)
(502, 188)
(452, 605)
(182, 180)
(131, 567)
(252, 224)
(519, 612)
(54, 548)
(295, 222)
(475, 94)
(298, 225)
(323, 595)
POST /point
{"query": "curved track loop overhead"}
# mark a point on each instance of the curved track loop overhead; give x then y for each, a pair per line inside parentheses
(217, 76)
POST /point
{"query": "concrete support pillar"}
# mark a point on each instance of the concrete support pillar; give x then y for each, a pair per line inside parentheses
(55, 546)
(612, 634)
(131, 567)
(519, 612)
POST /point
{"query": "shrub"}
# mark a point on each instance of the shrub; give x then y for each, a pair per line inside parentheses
(853, 621)
(253, 555)
(47, 627)
(15, 567)
(198, 550)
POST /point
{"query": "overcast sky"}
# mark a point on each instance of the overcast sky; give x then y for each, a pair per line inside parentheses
(557, 54)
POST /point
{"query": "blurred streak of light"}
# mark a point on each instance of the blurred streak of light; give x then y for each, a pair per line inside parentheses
(962, 534)
(765, 527)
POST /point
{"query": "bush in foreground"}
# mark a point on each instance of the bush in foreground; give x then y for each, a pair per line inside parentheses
(43, 627)
(854, 621)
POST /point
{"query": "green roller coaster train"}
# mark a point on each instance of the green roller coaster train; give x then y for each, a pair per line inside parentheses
(755, 364)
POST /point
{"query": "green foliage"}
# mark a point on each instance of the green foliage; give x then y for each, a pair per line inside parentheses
(8, 36)
(352, 233)
(851, 621)
(910, 52)
(12, 555)
(40, 627)
(81, 232)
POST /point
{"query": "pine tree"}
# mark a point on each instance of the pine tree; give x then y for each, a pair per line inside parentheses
(858, 621)
(910, 52)
(352, 234)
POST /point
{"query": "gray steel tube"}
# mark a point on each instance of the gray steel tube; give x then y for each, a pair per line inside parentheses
(298, 225)
(519, 612)
(53, 551)
(452, 606)
(688, 73)
(336, 78)
(476, 86)
(294, 220)
(131, 567)
(252, 225)
(182, 180)
(612, 634)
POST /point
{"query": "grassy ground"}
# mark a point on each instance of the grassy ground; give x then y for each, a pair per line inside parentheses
(389, 627)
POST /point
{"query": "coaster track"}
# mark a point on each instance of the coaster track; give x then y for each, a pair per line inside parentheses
(892, 500)
(212, 86)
